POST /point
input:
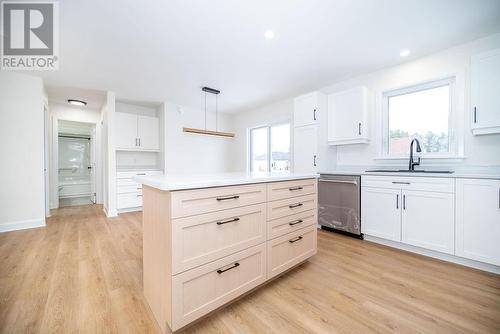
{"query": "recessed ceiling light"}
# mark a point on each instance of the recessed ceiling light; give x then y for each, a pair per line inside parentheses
(79, 103)
(404, 53)
(269, 34)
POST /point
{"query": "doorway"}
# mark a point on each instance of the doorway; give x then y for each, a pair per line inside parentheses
(76, 166)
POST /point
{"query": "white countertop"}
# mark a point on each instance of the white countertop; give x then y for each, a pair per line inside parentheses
(492, 173)
(171, 182)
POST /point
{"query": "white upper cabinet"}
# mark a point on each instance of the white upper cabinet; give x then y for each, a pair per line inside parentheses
(478, 220)
(485, 93)
(137, 132)
(307, 108)
(347, 117)
(148, 132)
(305, 149)
(126, 131)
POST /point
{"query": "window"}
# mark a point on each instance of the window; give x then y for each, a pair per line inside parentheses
(269, 148)
(422, 112)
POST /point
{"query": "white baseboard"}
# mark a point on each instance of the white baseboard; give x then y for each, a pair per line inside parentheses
(110, 213)
(22, 225)
(437, 255)
(139, 208)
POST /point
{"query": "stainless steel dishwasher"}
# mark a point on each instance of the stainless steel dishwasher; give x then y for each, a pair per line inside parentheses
(339, 198)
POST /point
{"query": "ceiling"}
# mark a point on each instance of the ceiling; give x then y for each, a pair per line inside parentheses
(167, 50)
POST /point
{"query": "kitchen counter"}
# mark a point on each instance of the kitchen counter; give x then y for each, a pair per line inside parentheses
(493, 173)
(172, 182)
(210, 238)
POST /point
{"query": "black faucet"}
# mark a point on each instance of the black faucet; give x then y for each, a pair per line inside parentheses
(412, 164)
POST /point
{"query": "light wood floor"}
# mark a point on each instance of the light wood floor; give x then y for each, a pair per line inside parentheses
(83, 273)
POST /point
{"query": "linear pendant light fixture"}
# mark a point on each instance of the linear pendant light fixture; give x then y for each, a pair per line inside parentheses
(205, 131)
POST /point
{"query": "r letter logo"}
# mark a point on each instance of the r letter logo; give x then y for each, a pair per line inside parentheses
(30, 32)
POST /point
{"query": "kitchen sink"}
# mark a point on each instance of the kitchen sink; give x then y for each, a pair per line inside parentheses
(409, 171)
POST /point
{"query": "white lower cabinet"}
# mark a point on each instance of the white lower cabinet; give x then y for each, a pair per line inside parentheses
(381, 212)
(478, 220)
(417, 211)
(428, 220)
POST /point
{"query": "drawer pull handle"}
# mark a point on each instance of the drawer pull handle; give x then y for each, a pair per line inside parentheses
(139, 195)
(228, 221)
(139, 188)
(220, 271)
(226, 198)
(295, 205)
(295, 240)
(140, 174)
(295, 188)
(396, 182)
(296, 222)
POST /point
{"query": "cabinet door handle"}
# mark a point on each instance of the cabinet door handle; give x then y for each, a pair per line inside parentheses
(295, 188)
(359, 129)
(220, 271)
(397, 201)
(295, 205)
(296, 222)
(314, 114)
(139, 141)
(499, 198)
(228, 221)
(404, 202)
(227, 198)
(135, 141)
(314, 160)
(397, 182)
(475, 115)
(295, 240)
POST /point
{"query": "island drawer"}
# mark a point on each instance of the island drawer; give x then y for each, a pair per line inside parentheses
(285, 225)
(197, 240)
(197, 201)
(287, 189)
(290, 206)
(290, 249)
(201, 290)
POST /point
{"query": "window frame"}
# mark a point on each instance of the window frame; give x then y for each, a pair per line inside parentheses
(453, 151)
(269, 141)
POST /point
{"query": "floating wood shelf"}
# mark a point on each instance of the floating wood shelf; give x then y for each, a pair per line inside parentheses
(208, 132)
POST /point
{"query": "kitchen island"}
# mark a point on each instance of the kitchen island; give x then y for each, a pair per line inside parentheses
(208, 239)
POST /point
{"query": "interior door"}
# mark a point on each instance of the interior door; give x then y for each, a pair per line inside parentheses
(148, 129)
(428, 220)
(381, 212)
(126, 131)
(305, 149)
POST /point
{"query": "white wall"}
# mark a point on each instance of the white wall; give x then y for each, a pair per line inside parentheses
(479, 150)
(109, 155)
(22, 194)
(280, 112)
(67, 112)
(192, 153)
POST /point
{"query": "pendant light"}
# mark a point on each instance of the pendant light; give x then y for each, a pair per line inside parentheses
(204, 131)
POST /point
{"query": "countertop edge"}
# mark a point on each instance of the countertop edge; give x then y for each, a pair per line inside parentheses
(173, 186)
